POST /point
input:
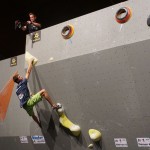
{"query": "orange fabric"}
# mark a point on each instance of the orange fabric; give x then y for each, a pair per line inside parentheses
(5, 96)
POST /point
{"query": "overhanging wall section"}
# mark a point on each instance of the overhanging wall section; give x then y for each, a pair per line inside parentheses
(108, 91)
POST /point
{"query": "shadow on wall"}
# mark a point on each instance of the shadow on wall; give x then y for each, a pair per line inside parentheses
(55, 134)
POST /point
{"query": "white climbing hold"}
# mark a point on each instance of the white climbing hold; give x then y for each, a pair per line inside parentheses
(60, 109)
(75, 128)
(28, 57)
(51, 58)
(90, 146)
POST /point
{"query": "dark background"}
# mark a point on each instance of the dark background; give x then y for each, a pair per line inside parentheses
(48, 13)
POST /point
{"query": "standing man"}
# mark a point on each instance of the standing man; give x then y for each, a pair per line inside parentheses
(23, 94)
(31, 25)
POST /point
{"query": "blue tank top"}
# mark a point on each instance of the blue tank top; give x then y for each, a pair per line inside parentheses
(22, 92)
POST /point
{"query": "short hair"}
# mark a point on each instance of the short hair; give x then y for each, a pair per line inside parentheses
(15, 78)
(31, 13)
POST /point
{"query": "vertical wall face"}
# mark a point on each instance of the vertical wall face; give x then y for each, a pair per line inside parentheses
(100, 75)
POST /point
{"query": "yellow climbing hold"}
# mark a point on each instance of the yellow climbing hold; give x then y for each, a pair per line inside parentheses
(64, 121)
(95, 135)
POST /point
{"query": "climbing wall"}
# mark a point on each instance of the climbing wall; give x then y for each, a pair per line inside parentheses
(101, 76)
(108, 91)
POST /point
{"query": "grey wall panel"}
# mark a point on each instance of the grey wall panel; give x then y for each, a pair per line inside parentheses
(93, 32)
(139, 65)
(107, 90)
